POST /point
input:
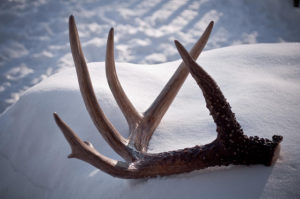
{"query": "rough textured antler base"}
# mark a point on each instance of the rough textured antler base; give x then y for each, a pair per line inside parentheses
(248, 151)
(251, 150)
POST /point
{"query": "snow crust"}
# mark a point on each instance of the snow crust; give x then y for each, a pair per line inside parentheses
(260, 81)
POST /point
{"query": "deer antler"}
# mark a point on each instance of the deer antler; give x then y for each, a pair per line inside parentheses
(141, 127)
(230, 147)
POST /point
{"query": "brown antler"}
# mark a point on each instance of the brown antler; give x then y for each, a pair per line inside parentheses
(230, 146)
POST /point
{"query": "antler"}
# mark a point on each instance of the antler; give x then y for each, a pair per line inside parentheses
(230, 147)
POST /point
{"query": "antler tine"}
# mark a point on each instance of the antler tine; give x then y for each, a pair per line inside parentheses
(167, 95)
(130, 113)
(107, 130)
(156, 111)
(215, 101)
(242, 150)
(86, 152)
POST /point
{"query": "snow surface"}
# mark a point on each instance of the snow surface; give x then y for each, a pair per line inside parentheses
(34, 36)
(261, 82)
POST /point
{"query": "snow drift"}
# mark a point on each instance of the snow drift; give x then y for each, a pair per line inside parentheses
(261, 82)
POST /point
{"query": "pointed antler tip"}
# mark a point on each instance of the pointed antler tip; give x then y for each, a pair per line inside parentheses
(186, 57)
(56, 117)
(71, 18)
(72, 24)
(179, 47)
(177, 44)
(111, 33)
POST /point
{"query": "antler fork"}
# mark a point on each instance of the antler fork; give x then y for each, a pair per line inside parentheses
(141, 127)
(230, 147)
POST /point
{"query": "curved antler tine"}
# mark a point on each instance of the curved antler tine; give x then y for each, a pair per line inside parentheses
(110, 134)
(161, 104)
(215, 101)
(130, 113)
(83, 151)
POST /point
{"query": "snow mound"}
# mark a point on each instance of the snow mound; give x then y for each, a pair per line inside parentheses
(261, 82)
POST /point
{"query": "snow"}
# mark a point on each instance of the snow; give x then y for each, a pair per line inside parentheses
(260, 81)
(37, 78)
(34, 36)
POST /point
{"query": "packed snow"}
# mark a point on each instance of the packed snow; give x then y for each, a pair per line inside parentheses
(260, 81)
(37, 77)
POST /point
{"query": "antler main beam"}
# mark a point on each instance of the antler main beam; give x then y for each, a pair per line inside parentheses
(230, 147)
